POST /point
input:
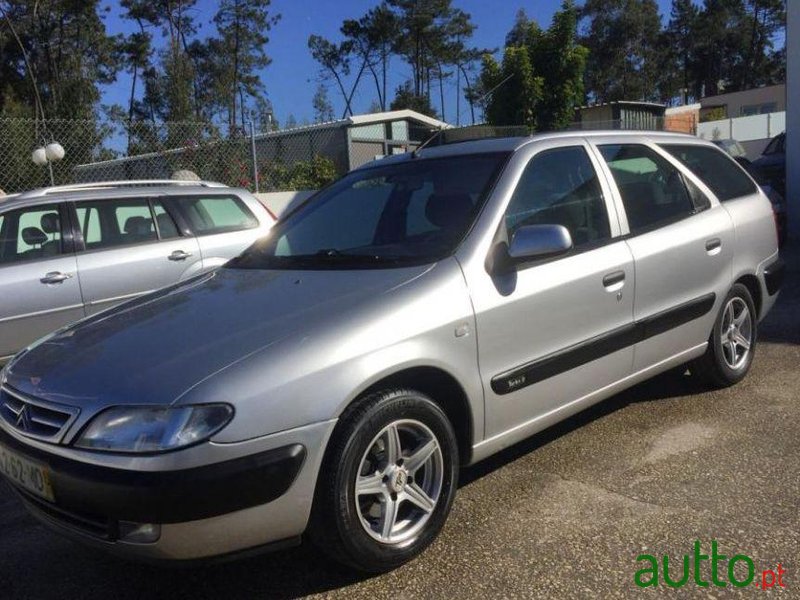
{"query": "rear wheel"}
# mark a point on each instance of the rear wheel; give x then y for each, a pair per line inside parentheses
(387, 482)
(733, 341)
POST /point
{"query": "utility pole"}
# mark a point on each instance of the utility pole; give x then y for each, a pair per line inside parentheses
(253, 154)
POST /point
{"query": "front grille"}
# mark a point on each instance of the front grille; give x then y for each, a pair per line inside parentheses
(34, 418)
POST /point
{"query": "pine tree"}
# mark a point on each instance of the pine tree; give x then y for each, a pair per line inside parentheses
(622, 38)
(323, 109)
(243, 27)
(679, 44)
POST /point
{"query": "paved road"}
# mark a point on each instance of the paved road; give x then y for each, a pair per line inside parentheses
(564, 514)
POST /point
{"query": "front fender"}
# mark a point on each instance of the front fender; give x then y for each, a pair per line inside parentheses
(313, 376)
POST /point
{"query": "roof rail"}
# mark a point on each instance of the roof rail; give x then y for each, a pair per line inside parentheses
(471, 133)
(96, 185)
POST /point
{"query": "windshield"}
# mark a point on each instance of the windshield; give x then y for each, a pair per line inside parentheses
(776, 145)
(414, 212)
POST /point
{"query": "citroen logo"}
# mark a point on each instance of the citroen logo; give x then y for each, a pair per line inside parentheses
(23, 420)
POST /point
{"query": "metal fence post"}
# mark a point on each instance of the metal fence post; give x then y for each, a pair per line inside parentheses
(253, 155)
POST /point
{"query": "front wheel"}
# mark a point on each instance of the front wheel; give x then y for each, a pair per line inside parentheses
(387, 482)
(733, 341)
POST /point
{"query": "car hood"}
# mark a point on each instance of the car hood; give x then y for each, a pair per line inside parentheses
(156, 348)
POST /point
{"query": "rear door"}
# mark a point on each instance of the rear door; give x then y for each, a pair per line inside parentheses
(39, 287)
(555, 331)
(128, 247)
(223, 223)
(682, 246)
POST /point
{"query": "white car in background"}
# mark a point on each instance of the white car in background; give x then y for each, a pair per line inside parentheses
(71, 251)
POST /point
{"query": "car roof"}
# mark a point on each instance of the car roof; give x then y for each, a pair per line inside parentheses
(512, 144)
(114, 190)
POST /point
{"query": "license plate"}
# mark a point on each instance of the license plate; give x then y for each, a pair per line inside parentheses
(27, 474)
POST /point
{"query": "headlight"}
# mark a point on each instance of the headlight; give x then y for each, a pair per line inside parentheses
(142, 429)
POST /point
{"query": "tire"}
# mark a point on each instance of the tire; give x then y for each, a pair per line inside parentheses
(352, 528)
(730, 352)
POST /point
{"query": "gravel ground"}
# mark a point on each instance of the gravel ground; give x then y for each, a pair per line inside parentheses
(563, 514)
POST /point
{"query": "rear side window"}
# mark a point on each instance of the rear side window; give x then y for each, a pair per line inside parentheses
(216, 214)
(653, 191)
(560, 187)
(30, 234)
(111, 223)
(715, 168)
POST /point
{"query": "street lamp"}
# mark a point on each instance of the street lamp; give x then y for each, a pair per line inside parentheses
(47, 155)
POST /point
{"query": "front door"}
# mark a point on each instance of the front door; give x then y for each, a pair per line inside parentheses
(552, 332)
(39, 286)
(131, 246)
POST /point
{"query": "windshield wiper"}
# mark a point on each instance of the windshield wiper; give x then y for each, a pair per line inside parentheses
(335, 255)
(324, 257)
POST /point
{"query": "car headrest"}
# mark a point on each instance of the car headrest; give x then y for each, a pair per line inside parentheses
(33, 236)
(448, 210)
(138, 226)
(50, 223)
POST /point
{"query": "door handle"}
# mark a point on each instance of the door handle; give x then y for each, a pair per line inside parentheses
(179, 255)
(713, 245)
(56, 277)
(614, 281)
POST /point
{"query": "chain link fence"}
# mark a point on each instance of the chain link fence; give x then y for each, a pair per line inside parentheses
(293, 159)
(301, 158)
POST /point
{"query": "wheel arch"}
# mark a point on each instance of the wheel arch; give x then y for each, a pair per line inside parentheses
(444, 389)
(752, 284)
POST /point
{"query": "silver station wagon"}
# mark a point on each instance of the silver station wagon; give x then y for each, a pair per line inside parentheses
(71, 251)
(418, 315)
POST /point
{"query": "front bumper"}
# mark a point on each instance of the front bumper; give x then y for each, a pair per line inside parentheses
(258, 498)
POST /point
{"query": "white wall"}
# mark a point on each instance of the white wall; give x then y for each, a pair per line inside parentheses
(793, 118)
(279, 202)
(754, 132)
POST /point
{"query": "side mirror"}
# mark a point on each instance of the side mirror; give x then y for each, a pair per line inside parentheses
(534, 242)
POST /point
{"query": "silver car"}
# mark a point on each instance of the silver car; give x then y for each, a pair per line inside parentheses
(71, 251)
(417, 316)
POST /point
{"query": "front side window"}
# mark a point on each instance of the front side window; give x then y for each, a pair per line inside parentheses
(714, 168)
(30, 234)
(167, 229)
(111, 223)
(653, 190)
(412, 212)
(560, 187)
(216, 214)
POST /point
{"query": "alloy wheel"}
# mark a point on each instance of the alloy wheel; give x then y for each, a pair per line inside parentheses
(399, 482)
(737, 333)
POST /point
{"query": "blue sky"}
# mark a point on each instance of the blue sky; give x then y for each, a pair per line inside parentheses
(292, 77)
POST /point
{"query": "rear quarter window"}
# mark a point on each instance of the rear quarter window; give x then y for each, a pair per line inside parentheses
(216, 214)
(714, 168)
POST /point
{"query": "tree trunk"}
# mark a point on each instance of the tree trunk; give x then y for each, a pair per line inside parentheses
(469, 91)
(235, 83)
(130, 105)
(242, 112)
(441, 90)
(458, 95)
(385, 69)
